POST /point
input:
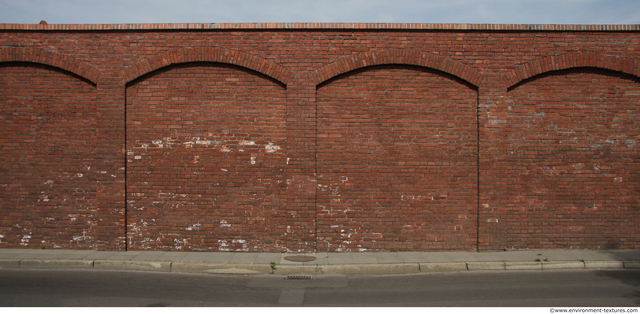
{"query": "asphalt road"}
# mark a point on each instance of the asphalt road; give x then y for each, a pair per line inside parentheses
(597, 288)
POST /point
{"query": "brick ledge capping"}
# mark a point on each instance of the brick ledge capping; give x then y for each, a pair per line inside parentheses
(337, 26)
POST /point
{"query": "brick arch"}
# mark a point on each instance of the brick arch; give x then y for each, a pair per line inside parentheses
(567, 61)
(209, 54)
(41, 56)
(383, 57)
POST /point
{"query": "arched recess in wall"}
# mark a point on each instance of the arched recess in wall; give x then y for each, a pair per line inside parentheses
(396, 153)
(56, 60)
(403, 57)
(205, 151)
(47, 150)
(570, 60)
(571, 143)
(209, 54)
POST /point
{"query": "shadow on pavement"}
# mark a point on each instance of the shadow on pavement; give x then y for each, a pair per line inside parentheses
(625, 255)
(629, 277)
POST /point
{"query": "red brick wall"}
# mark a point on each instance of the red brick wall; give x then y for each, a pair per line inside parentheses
(205, 160)
(570, 145)
(332, 137)
(48, 158)
(397, 161)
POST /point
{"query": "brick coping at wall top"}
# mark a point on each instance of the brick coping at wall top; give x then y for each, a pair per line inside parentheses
(338, 26)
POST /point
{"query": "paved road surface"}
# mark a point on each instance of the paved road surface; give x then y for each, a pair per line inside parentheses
(593, 288)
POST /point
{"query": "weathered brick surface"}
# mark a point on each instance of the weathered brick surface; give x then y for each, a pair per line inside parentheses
(48, 192)
(205, 163)
(569, 143)
(319, 137)
(397, 157)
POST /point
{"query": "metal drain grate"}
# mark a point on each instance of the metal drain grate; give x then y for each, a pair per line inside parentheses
(298, 277)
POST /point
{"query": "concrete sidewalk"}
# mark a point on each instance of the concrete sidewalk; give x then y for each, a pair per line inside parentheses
(320, 263)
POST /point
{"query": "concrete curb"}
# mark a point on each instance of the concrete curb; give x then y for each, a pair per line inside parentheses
(9, 263)
(523, 266)
(342, 269)
(132, 265)
(56, 264)
(185, 267)
(373, 269)
(300, 269)
(563, 265)
(603, 264)
(486, 266)
(442, 267)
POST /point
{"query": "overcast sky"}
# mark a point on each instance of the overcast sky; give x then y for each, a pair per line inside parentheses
(350, 11)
